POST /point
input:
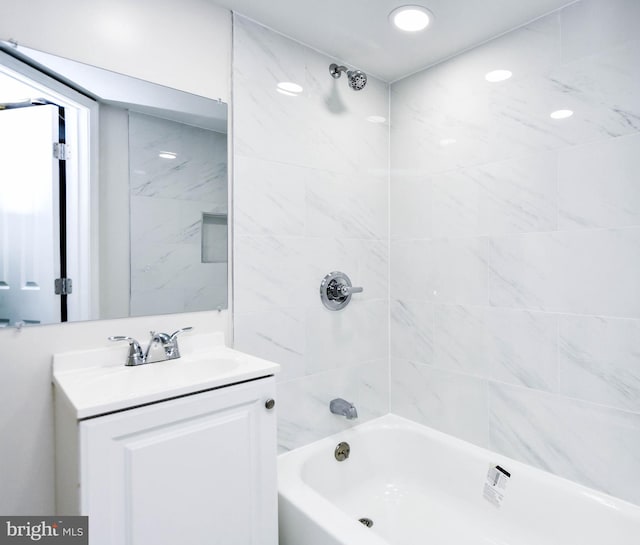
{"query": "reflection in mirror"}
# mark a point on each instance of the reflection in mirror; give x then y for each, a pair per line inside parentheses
(113, 194)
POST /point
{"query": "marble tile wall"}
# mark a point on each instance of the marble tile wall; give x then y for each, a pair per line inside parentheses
(515, 246)
(168, 198)
(310, 197)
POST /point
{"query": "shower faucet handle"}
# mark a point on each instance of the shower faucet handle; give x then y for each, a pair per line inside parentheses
(344, 290)
(336, 290)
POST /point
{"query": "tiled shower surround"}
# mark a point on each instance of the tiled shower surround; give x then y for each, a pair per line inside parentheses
(310, 197)
(515, 246)
(515, 241)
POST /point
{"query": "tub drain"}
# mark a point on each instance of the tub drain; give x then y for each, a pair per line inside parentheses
(367, 522)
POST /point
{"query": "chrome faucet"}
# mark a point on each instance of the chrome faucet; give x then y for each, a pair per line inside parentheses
(343, 408)
(162, 347)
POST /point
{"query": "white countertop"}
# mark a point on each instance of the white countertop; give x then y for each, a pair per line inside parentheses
(96, 382)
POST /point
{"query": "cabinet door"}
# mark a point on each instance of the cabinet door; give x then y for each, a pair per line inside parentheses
(195, 470)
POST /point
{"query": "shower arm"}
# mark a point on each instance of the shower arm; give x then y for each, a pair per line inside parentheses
(336, 71)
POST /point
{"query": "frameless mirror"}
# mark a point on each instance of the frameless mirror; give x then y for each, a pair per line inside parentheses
(113, 194)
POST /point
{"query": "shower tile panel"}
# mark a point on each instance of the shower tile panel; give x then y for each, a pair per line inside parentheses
(583, 272)
(437, 126)
(411, 203)
(460, 270)
(522, 348)
(598, 184)
(277, 335)
(591, 27)
(269, 272)
(343, 138)
(272, 200)
(516, 347)
(593, 445)
(498, 198)
(461, 339)
(412, 330)
(348, 144)
(450, 402)
(448, 118)
(373, 269)
(557, 202)
(340, 207)
(600, 360)
(412, 269)
(268, 124)
(459, 204)
(452, 102)
(450, 270)
(303, 416)
(323, 127)
(338, 339)
(310, 197)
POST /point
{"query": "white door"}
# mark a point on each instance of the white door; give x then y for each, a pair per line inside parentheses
(29, 224)
(199, 470)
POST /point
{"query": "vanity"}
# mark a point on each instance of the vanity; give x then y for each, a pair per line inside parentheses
(180, 451)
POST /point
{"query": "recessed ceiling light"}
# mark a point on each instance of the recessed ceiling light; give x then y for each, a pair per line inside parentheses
(411, 18)
(167, 155)
(561, 114)
(289, 88)
(498, 75)
(376, 119)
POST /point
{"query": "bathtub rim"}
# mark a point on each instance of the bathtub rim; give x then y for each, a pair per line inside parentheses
(319, 509)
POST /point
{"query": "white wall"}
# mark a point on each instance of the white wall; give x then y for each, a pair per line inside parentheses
(187, 48)
(185, 44)
(515, 311)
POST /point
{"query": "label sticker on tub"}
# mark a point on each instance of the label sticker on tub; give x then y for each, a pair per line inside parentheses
(495, 485)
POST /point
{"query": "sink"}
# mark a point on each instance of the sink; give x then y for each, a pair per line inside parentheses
(95, 382)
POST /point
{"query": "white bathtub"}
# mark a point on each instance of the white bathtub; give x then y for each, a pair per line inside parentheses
(422, 487)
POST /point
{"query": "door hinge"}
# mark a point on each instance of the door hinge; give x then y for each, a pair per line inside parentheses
(63, 286)
(60, 151)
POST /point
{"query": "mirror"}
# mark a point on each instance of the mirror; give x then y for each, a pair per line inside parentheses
(113, 194)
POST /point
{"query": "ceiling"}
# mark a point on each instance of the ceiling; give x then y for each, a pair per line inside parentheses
(358, 32)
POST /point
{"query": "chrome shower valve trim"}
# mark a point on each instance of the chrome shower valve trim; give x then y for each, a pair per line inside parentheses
(336, 290)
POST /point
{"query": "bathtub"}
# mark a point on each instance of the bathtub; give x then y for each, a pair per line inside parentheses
(420, 486)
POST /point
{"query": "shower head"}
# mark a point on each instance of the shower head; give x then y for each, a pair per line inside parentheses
(357, 78)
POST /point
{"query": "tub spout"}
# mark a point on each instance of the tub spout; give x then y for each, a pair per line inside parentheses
(344, 408)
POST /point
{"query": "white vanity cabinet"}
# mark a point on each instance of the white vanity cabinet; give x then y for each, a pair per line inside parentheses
(193, 469)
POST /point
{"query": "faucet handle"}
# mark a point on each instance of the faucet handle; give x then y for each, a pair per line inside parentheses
(176, 333)
(344, 290)
(131, 340)
(159, 337)
(136, 356)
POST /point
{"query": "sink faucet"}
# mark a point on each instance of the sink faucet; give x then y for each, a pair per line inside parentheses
(162, 347)
(344, 408)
